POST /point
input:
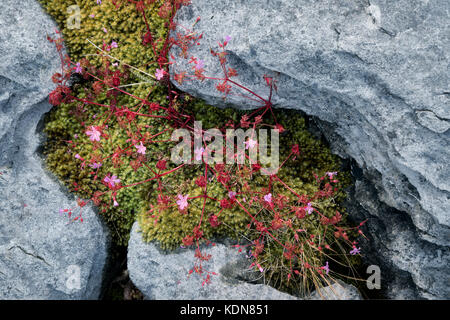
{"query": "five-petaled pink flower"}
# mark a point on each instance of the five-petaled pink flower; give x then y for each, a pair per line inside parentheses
(159, 74)
(198, 153)
(355, 250)
(140, 148)
(331, 174)
(95, 165)
(114, 44)
(227, 39)
(112, 181)
(78, 68)
(93, 133)
(250, 143)
(232, 195)
(99, 1)
(309, 208)
(182, 202)
(268, 197)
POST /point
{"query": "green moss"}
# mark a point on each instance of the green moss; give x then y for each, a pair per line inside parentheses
(171, 226)
(124, 25)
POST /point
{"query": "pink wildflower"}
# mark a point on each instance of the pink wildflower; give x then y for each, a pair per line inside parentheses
(326, 267)
(93, 133)
(95, 165)
(182, 202)
(309, 209)
(227, 39)
(331, 174)
(159, 74)
(140, 148)
(112, 181)
(198, 153)
(250, 143)
(78, 68)
(232, 195)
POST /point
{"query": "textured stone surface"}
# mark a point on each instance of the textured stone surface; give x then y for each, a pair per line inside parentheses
(39, 250)
(164, 275)
(337, 291)
(376, 74)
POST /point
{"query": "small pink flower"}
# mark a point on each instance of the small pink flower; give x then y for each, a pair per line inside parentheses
(116, 204)
(112, 181)
(104, 30)
(309, 209)
(355, 251)
(94, 134)
(114, 44)
(268, 197)
(331, 174)
(78, 68)
(159, 74)
(232, 195)
(227, 39)
(198, 153)
(99, 2)
(182, 202)
(250, 143)
(92, 15)
(77, 156)
(95, 165)
(140, 148)
(326, 267)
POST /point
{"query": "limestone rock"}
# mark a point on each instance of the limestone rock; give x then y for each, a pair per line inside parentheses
(42, 255)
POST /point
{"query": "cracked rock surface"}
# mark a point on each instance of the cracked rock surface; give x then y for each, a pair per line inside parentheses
(376, 75)
(165, 275)
(42, 256)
